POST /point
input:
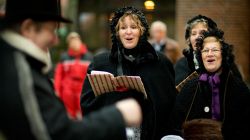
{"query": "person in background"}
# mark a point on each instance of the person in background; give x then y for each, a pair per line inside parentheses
(217, 93)
(70, 73)
(162, 43)
(29, 108)
(188, 64)
(133, 55)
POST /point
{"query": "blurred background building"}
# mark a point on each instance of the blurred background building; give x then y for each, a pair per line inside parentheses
(91, 21)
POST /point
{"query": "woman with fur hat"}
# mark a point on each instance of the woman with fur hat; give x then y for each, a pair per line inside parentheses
(188, 64)
(133, 55)
(217, 93)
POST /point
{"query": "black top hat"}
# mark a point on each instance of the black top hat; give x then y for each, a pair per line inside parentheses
(39, 10)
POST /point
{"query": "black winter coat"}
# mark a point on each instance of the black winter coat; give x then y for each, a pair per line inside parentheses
(182, 70)
(234, 100)
(158, 78)
(29, 108)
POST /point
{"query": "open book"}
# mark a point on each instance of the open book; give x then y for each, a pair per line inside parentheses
(103, 82)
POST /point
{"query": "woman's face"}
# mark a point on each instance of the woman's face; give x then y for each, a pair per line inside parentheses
(211, 54)
(196, 32)
(129, 33)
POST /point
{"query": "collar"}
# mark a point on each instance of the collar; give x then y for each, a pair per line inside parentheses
(212, 78)
(28, 47)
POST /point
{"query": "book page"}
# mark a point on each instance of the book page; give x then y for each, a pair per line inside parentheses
(101, 83)
(132, 82)
(100, 72)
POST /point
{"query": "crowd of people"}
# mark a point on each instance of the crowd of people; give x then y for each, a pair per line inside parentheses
(215, 105)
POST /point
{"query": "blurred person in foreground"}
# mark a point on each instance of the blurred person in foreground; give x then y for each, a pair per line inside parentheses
(70, 73)
(133, 55)
(162, 43)
(188, 64)
(217, 93)
(29, 107)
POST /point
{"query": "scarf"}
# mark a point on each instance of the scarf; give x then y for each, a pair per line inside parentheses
(214, 82)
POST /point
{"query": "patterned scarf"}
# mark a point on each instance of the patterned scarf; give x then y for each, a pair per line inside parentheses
(214, 82)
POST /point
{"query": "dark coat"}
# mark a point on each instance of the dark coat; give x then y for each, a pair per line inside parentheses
(234, 99)
(158, 78)
(182, 70)
(30, 109)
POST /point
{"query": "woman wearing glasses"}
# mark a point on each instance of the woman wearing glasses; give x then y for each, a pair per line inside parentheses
(188, 64)
(217, 93)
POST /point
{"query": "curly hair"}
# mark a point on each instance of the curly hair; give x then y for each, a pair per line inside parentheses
(227, 49)
(135, 14)
(128, 10)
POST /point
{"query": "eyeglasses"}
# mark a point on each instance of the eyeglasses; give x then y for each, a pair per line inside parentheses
(213, 51)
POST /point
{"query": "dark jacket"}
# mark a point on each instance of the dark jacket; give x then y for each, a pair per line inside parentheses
(29, 107)
(195, 98)
(182, 70)
(157, 76)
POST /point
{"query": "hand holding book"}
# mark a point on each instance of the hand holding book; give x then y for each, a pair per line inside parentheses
(104, 82)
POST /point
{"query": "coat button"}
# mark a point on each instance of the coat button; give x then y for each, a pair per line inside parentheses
(206, 109)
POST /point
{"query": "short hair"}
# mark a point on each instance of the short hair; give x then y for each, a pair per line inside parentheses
(158, 24)
(72, 35)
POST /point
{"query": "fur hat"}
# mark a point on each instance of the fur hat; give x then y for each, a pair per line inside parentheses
(210, 23)
(227, 49)
(38, 10)
(202, 129)
(129, 9)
